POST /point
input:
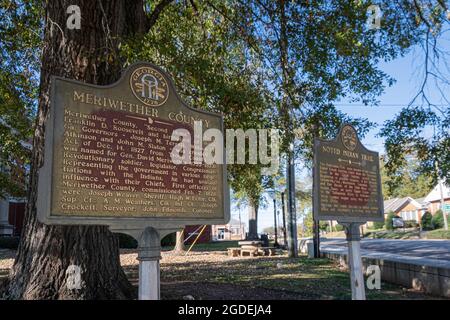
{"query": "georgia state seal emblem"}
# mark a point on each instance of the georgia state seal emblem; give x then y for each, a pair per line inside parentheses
(149, 86)
(349, 138)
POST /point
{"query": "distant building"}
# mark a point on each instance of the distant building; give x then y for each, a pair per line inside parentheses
(407, 208)
(234, 230)
(12, 211)
(433, 199)
(6, 229)
(192, 232)
(413, 209)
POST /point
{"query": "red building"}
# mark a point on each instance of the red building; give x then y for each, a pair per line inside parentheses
(191, 232)
(12, 212)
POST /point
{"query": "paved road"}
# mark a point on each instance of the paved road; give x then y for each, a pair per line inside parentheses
(426, 249)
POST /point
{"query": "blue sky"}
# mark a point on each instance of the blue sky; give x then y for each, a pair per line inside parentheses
(408, 74)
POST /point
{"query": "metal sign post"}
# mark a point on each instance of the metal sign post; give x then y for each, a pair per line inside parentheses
(347, 188)
(149, 254)
(354, 260)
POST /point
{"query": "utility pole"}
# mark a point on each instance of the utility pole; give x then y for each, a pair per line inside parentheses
(444, 213)
(275, 222)
(441, 190)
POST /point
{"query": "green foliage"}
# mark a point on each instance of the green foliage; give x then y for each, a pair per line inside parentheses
(427, 223)
(320, 52)
(324, 226)
(305, 229)
(410, 224)
(20, 34)
(407, 134)
(438, 234)
(388, 224)
(438, 220)
(338, 228)
(378, 225)
(207, 58)
(409, 182)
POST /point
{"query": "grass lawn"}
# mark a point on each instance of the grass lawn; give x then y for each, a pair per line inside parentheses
(438, 234)
(213, 246)
(408, 234)
(395, 234)
(213, 275)
(334, 234)
(208, 273)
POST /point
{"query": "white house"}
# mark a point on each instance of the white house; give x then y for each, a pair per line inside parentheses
(433, 199)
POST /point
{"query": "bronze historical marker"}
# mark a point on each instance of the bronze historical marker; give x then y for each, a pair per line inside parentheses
(107, 156)
(347, 183)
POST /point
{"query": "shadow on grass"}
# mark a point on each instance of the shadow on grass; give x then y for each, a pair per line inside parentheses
(277, 277)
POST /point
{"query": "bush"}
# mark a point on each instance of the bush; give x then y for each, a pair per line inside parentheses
(323, 226)
(378, 225)
(339, 228)
(9, 243)
(126, 241)
(411, 224)
(427, 223)
(438, 220)
(388, 224)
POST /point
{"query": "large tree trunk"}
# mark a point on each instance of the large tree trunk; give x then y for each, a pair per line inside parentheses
(46, 252)
(252, 221)
(179, 245)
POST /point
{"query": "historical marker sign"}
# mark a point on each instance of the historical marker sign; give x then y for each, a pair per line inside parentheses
(108, 162)
(347, 183)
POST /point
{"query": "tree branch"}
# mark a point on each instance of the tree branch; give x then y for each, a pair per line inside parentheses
(156, 13)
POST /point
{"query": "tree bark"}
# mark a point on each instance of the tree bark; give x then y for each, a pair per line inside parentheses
(46, 252)
(288, 125)
(252, 221)
(179, 245)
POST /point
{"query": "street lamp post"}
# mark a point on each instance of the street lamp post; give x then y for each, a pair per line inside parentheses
(275, 222)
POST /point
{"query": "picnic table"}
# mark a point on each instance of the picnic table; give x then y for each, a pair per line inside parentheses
(251, 248)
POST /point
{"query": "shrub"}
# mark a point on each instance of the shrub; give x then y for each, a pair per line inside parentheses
(339, 228)
(438, 220)
(427, 223)
(9, 243)
(411, 224)
(388, 222)
(323, 226)
(378, 225)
